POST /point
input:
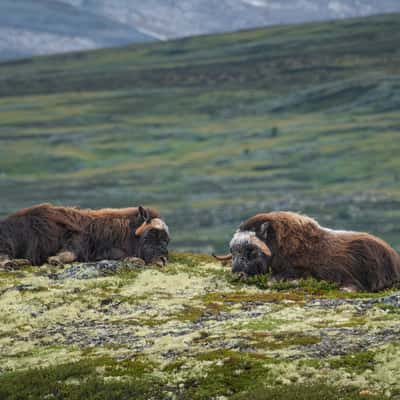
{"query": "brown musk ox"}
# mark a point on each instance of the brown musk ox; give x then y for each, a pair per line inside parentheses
(293, 246)
(46, 233)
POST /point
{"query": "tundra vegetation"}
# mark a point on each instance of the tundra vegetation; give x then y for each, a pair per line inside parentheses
(211, 130)
(191, 330)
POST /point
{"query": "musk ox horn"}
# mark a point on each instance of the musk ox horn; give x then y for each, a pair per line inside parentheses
(262, 246)
(141, 228)
(223, 258)
(155, 223)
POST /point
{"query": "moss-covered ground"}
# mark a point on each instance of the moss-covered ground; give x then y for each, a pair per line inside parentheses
(191, 331)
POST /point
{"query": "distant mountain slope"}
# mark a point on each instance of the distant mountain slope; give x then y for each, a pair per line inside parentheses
(178, 18)
(32, 27)
(213, 129)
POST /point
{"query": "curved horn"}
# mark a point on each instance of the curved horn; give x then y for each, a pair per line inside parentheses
(141, 228)
(262, 246)
(223, 258)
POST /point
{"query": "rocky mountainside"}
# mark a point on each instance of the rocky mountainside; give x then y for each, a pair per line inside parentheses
(177, 18)
(191, 331)
(31, 27)
(35, 27)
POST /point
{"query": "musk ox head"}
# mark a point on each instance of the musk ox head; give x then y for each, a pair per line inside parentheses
(249, 252)
(153, 237)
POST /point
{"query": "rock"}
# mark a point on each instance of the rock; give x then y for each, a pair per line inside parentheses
(94, 270)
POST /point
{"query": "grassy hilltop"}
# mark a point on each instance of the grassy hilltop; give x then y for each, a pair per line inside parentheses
(215, 128)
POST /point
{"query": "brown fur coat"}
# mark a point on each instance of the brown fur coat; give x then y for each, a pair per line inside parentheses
(44, 230)
(302, 248)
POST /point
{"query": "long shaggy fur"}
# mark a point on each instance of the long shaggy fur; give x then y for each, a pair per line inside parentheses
(44, 230)
(302, 248)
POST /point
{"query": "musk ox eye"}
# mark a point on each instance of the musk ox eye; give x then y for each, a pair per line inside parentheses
(252, 253)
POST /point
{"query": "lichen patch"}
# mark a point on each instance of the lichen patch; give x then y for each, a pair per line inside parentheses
(191, 325)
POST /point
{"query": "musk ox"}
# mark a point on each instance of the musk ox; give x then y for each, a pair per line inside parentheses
(292, 246)
(57, 235)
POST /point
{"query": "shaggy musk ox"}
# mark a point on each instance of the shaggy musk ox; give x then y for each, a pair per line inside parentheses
(45, 233)
(293, 246)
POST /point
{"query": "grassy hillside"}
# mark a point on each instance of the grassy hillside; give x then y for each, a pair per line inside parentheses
(214, 129)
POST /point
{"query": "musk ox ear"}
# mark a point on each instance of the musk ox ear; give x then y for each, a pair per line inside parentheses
(262, 232)
(144, 214)
(146, 218)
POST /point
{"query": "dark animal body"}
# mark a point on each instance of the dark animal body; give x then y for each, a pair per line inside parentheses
(293, 246)
(64, 234)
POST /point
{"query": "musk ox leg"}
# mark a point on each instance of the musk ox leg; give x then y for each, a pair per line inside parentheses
(116, 254)
(65, 257)
(134, 260)
(13, 264)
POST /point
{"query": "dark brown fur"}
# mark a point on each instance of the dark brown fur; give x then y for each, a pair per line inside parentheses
(42, 231)
(302, 248)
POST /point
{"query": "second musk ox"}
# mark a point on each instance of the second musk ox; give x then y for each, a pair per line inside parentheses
(46, 233)
(293, 246)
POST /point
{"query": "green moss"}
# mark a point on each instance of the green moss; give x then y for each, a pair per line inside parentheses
(355, 321)
(354, 363)
(236, 375)
(6, 334)
(389, 308)
(152, 322)
(240, 376)
(136, 368)
(303, 288)
(266, 323)
(268, 341)
(190, 260)
(54, 382)
(174, 366)
(233, 373)
(306, 286)
(284, 340)
(248, 297)
(312, 391)
(190, 313)
(194, 313)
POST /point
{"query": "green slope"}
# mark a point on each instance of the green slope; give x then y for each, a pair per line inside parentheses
(214, 129)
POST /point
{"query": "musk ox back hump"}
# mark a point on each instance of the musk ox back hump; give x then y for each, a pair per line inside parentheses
(376, 265)
(38, 232)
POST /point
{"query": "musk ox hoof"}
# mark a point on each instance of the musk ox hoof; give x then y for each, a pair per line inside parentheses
(65, 257)
(54, 261)
(161, 262)
(349, 289)
(134, 260)
(16, 264)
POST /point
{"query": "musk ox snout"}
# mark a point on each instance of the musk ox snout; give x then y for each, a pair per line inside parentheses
(253, 263)
(250, 255)
(153, 242)
(239, 265)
